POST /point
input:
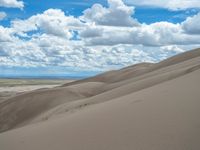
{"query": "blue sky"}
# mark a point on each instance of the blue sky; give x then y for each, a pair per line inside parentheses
(85, 37)
(76, 7)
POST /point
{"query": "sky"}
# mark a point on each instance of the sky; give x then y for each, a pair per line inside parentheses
(80, 38)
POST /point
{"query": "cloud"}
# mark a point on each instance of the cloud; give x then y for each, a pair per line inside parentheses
(117, 14)
(48, 50)
(52, 21)
(155, 34)
(12, 4)
(102, 38)
(191, 24)
(2, 15)
(6, 34)
(168, 4)
(91, 32)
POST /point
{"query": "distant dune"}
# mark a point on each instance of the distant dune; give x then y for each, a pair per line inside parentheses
(141, 107)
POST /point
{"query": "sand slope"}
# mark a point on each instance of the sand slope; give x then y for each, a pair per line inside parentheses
(142, 107)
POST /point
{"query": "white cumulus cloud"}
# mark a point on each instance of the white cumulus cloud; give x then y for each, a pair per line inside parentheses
(12, 4)
(192, 24)
(2, 15)
(52, 21)
(117, 14)
(168, 4)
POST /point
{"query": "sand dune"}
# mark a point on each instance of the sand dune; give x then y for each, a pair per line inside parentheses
(144, 106)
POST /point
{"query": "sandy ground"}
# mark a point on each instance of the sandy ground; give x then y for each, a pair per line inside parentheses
(141, 107)
(25, 88)
(6, 92)
(13, 87)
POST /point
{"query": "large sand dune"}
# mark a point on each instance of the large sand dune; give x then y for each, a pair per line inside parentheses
(142, 107)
